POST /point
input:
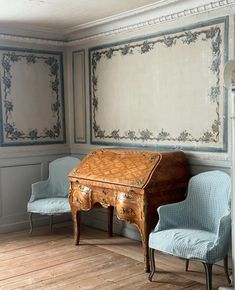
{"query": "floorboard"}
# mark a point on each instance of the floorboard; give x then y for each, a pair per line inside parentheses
(50, 261)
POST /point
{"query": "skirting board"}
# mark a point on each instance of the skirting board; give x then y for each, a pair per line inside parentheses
(37, 221)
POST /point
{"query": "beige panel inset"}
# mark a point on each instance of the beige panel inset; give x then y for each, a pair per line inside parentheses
(30, 89)
(164, 90)
(79, 96)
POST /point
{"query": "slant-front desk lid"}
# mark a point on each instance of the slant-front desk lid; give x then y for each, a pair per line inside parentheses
(122, 167)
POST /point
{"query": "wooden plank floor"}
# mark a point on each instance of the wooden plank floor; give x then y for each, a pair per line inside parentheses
(51, 261)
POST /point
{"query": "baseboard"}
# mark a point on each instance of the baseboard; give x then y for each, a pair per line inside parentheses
(39, 220)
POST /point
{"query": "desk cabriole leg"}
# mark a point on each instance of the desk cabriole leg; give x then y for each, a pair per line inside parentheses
(76, 227)
(110, 220)
(146, 256)
(145, 231)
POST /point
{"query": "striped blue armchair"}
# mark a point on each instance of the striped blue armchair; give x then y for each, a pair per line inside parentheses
(50, 197)
(197, 228)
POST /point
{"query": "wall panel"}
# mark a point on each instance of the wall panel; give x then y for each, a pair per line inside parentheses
(79, 97)
(32, 97)
(16, 187)
(163, 90)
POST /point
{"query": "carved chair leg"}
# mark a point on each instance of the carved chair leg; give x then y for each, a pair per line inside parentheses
(51, 222)
(110, 220)
(208, 270)
(186, 265)
(30, 223)
(152, 264)
(226, 269)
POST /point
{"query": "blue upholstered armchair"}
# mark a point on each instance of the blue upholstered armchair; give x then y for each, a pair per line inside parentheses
(50, 197)
(197, 228)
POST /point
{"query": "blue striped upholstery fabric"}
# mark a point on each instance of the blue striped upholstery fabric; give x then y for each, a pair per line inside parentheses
(199, 227)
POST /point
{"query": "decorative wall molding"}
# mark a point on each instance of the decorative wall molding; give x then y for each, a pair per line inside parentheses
(116, 73)
(32, 40)
(179, 13)
(79, 96)
(32, 101)
(157, 20)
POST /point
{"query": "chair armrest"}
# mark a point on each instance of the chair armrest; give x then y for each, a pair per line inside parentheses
(40, 189)
(224, 229)
(171, 215)
(220, 247)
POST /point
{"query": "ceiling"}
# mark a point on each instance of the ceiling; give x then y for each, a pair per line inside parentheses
(65, 15)
(76, 20)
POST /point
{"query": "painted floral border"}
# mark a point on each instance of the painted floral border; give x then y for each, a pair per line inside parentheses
(211, 33)
(12, 132)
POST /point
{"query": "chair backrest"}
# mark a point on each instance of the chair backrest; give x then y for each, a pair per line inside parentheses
(58, 175)
(208, 199)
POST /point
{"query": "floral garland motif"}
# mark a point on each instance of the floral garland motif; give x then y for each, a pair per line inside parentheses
(186, 37)
(12, 132)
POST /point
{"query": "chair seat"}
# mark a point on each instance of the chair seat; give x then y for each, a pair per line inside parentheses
(53, 205)
(186, 243)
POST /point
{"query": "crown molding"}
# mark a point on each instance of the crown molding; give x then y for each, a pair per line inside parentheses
(157, 20)
(161, 18)
(32, 40)
(32, 28)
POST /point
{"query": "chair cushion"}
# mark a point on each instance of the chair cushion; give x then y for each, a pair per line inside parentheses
(55, 205)
(186, 243)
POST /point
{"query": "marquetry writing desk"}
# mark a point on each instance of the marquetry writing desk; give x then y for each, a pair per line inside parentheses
(134, 182)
